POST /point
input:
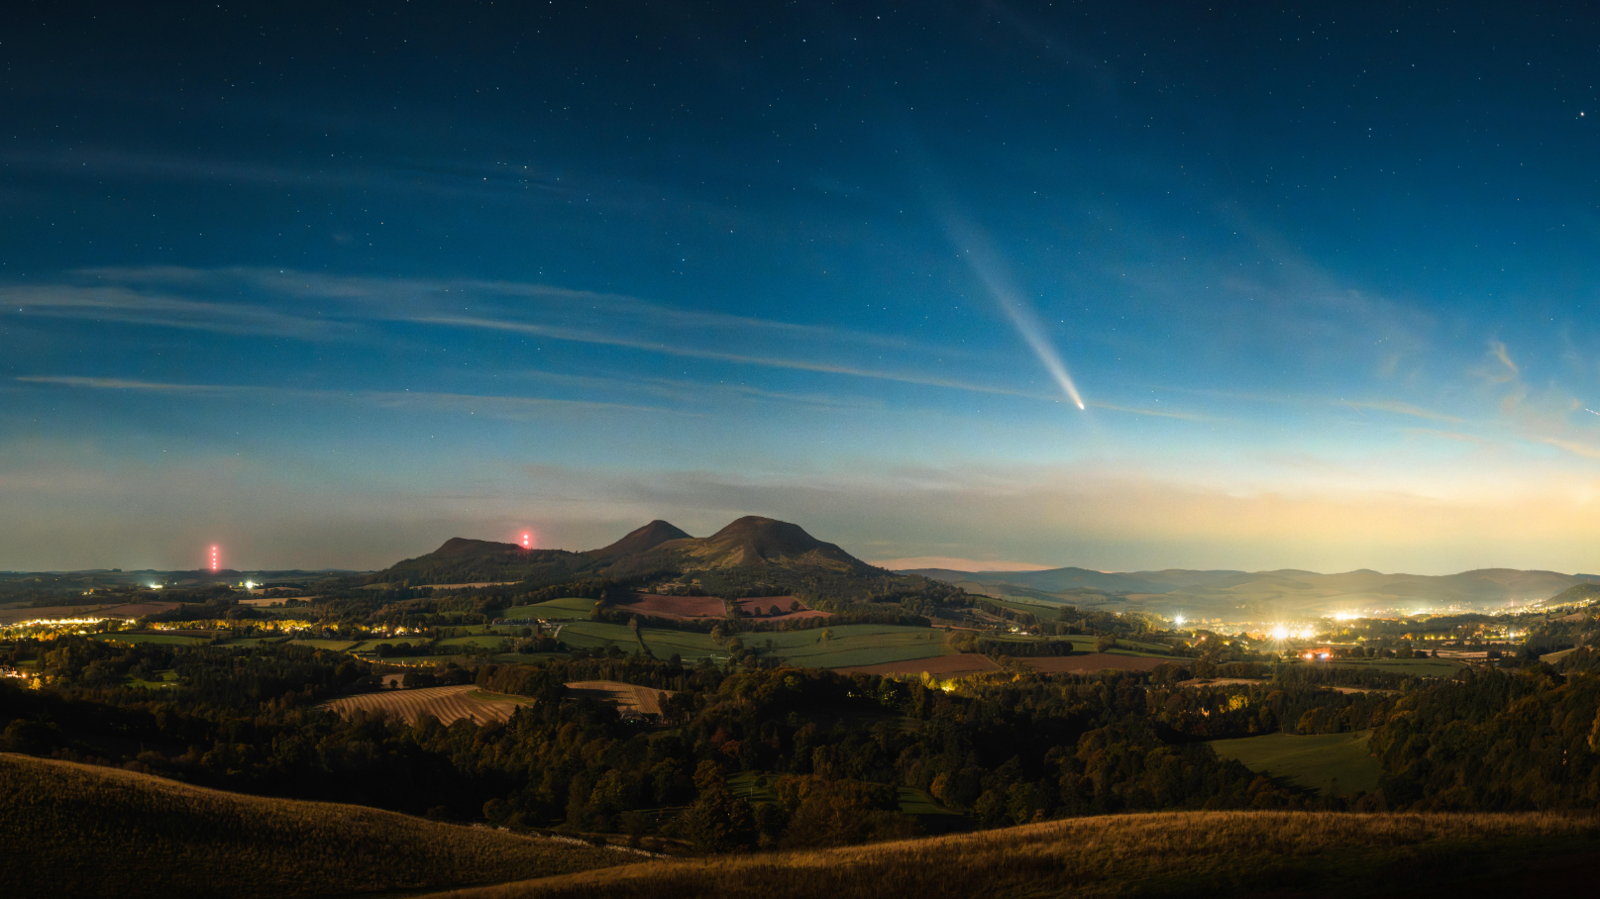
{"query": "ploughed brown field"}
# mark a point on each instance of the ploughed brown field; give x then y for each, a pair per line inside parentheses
(759, 606)
(627, 696)
(675, 606)
(1094, 661)
(958, 665)
(448, 704)
(1167, 854)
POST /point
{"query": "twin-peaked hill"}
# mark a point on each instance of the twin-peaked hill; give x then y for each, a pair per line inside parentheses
(751, 553)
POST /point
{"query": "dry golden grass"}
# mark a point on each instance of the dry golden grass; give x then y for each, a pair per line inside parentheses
(1166, 854)
(626, 696)
(79, 830)
(448, 704)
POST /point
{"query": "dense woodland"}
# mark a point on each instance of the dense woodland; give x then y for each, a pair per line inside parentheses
(1011, 749)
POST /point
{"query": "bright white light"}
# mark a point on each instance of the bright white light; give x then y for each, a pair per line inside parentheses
(1177, 620)
(1280, 633)
(249, 585)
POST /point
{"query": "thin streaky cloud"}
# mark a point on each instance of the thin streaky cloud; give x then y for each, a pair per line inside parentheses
(498, 406)
(577, 336)
(1185, 416)
(695, 391)
(382, 293)
(120, 304)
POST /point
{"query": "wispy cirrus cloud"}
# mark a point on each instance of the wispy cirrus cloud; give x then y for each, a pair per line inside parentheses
(124, 305)
(317, 307)
(508, 407)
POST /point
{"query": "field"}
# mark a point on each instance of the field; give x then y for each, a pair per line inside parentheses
(674, 606)
(958, 665)
(178, 639)
(761, 607)
(571, 608)
(448, 704)
(1198, 854)
(92, 831)
(628, 697)
(1333, 763)
(853, 644)
(1094, 661)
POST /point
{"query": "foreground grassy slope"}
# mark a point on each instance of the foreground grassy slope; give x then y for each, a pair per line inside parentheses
(1169, 854)
(79, 830)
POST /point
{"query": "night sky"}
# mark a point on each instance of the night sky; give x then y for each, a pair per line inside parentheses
(326, 284)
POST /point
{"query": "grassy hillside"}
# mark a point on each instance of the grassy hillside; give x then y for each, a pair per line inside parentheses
(79, 830)
(1174, 854)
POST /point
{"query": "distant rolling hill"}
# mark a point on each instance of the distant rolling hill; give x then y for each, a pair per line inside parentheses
(1285, 592)
(81, 830)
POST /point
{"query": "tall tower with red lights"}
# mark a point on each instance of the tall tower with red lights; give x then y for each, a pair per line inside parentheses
(527, 540)
(216, 563)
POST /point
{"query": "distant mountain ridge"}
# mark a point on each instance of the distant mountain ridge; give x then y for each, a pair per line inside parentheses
(1284, 591)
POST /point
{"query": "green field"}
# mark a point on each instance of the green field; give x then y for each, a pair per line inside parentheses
(164, 678)
(689, 645)
(598, 635)
(179, 639)
(475, 643)
(852, 644)
(571, 608)
(1334, 763)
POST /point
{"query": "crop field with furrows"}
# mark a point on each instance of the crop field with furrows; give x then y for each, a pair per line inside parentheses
(571, 608)
(1169, 854)
(103, 832)
(448, 704)
(627, 696)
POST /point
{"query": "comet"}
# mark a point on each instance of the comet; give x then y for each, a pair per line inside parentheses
(1017, 309)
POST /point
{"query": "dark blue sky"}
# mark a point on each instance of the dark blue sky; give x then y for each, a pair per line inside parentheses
(329, 286)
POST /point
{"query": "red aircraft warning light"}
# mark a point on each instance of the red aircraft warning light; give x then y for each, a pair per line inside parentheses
(527, 540)
(214, 564)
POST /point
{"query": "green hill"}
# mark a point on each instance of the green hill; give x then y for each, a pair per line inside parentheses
(80, 830)
(1210, 854)
(754, 542)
